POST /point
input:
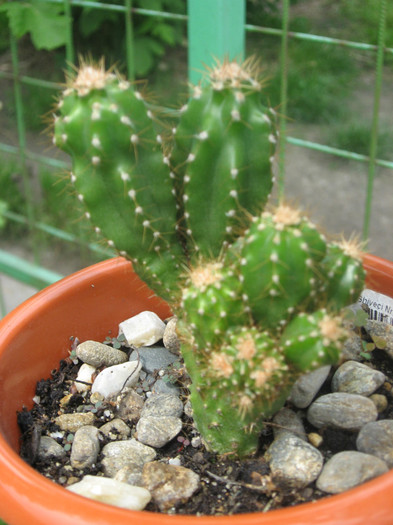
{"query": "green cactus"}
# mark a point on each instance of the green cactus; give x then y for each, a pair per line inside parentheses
(222, 156)
(119, 174)
(279, 264)
(258, 293)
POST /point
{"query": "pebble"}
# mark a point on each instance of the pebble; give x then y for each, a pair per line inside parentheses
(158, 431)
(294, 463)
(307, 387)
(376, 438)
(348, 469)
(159, 405)
(98, 354)
(85, 375)
(169, 484)
(288, 421)
(49, 448)
(129, 405)
(381, 331)
(131, 474)
(170, 338)
(380, 401)
(153, 358)
(113, 492)
(113, 379)
(115, 429)
(119, 454)
(342, 410)
(72, 422)
(357, 378)
(143, 329)
(165, 387)
(85, 447)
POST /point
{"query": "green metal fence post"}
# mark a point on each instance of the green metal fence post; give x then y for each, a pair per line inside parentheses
(215, 31)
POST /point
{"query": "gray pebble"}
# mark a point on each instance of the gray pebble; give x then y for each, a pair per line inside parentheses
(376, 438)
(98, 354)
(85, 447)
(357, 378)
(154, 358)
(115, 429)
(170, 338)
(307, 387)
(288, 421)
(169, 485)
(348, 469)
(71, 422)
(342, 410)
(129, 405)
(159, 405)
(130, 452)
(165, 387)
(158, 431)
(131, 474)
(50, 448)
(294, 463)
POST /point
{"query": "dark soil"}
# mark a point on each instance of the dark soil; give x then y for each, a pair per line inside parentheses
(228, 486)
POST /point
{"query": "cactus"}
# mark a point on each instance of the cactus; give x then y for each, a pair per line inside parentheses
(258, 293)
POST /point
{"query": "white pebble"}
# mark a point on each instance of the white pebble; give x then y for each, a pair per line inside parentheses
(113, 379)
(85, 375)
(113, 492)
(143, 329)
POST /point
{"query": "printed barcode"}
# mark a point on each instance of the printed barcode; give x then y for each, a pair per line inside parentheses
(379, 316)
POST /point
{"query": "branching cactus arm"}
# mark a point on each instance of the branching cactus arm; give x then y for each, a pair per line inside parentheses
(119, 172)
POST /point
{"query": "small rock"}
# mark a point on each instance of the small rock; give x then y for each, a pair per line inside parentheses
(380, 401)
(143, 329)
(113, 379)
(342, 410)
(119, 454)
(165, 387)
(170, 338)
(159, 405)
(382, 335)
(49, 448)
(315, 439)
(169, 484)
(357, 378)
(112, 492)
(158, 431)
(153, 358)
(85, 447)
(353, 347)
(307, 387)
(376, 438)
(294, 463)
(131, 474)
(115, 429)
(85, 375)
(72, 422)
(288, 421)
(129, 405)
(98, 354)
(348, 469)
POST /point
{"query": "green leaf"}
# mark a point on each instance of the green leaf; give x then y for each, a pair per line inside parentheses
(46, 23)
(3, 209)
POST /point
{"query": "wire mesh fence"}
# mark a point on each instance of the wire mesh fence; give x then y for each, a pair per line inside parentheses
(213, 29)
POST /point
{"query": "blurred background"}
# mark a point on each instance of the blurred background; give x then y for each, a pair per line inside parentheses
(329, 70)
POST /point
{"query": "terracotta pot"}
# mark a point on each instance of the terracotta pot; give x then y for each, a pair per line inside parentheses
(35, 336)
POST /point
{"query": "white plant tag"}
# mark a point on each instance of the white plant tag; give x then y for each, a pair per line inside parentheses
(380, 306)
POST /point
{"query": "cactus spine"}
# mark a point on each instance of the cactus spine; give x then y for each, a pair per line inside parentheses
(258, 293)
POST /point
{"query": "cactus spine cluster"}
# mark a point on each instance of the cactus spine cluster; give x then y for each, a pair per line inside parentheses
(258, 292)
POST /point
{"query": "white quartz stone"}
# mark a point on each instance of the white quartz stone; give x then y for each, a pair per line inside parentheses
(113, 379)
(113, 492)
(85, 374)
(143, 329)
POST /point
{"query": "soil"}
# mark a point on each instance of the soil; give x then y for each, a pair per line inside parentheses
(228, 485)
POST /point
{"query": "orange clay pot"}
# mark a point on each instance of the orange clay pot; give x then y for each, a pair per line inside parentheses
(89, 304)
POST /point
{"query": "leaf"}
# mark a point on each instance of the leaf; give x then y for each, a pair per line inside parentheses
(46, 23)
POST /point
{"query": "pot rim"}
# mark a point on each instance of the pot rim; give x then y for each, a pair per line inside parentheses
(40, 501)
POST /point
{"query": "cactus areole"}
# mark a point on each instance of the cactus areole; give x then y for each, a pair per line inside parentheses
(258, 292)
